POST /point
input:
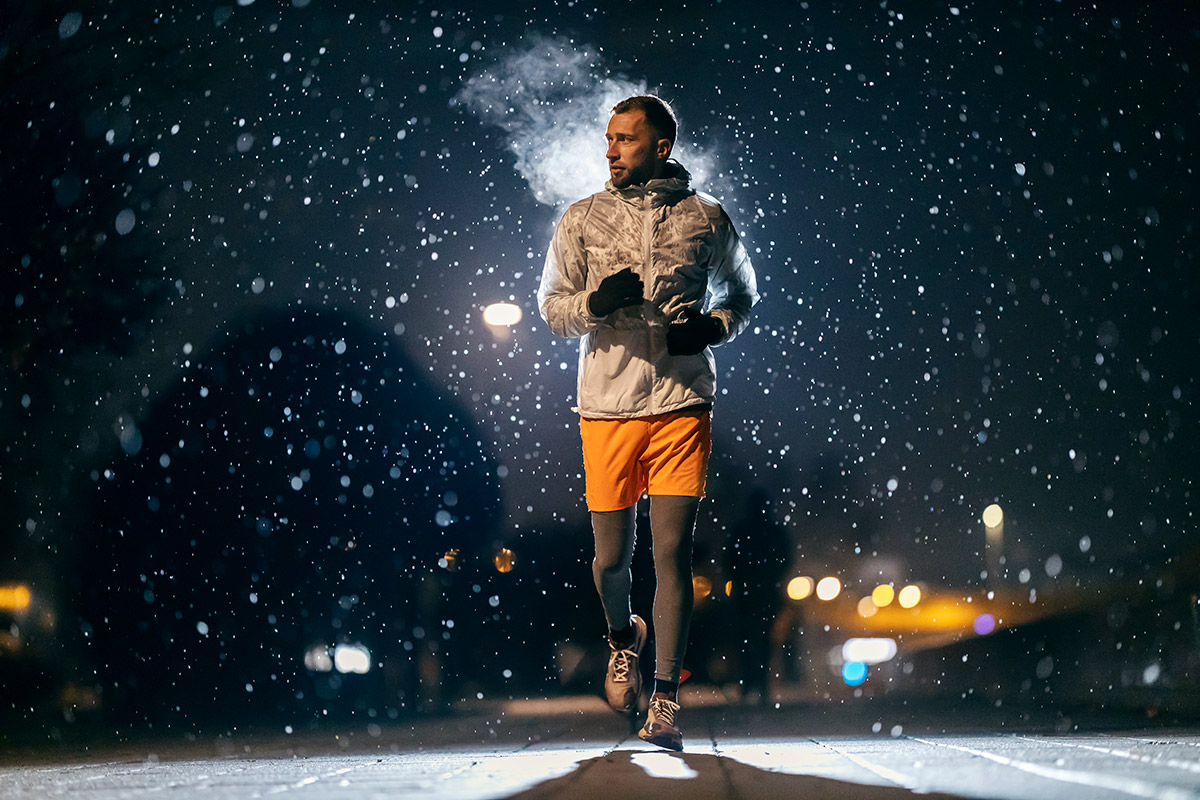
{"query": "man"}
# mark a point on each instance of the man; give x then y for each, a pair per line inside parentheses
(630, 270)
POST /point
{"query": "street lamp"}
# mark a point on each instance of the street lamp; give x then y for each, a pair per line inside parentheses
(500, 319)
(993, 531)
(502, 315)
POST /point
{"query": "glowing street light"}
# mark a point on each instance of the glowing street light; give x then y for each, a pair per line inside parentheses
(993, 531)
(502, 315)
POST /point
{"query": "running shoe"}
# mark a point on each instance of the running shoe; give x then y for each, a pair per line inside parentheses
(660, 727)
(623, 680)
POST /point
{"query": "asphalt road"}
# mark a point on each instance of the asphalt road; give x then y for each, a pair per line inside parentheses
(576, 747)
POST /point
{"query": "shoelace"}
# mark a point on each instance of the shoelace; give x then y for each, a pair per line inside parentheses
(622, 661)
(664, 710)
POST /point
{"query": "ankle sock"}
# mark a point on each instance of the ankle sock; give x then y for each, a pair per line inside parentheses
(621, 637)
(669, 688)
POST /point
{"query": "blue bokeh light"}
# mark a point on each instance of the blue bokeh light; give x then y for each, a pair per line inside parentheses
(854, 673)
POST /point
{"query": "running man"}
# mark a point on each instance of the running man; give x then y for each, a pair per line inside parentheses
(650, 274)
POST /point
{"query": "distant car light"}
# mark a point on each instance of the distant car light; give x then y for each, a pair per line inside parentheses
(869, 651)
(352, 658)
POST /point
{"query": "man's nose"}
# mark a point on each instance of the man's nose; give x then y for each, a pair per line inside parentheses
(611, 155)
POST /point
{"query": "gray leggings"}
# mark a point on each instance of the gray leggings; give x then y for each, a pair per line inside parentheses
(672, 524)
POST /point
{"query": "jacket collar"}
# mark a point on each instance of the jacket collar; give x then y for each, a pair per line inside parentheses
(658, 191)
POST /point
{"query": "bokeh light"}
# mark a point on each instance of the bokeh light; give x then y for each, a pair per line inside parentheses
(352, 658)
(993, 516)
(800, 587)
(829, 588)
(505, 560)
(15, 598)
(909, 596)
(316, 658)
(985, 624)
(854, 673)
(883, 595)
(867, 607)
(502, 314)
(869, 651)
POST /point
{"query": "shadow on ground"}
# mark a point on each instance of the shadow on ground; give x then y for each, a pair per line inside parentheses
(660, 775)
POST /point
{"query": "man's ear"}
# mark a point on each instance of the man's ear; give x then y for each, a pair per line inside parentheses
(663, 149)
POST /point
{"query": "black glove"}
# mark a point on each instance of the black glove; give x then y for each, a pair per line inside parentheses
(691, 332)
(616, 291)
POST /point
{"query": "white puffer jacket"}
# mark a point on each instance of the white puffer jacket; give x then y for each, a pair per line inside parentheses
(684, 248)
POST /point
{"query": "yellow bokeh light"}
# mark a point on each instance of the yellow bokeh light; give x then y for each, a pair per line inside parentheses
(701, 587)
(505, 560)
(909, 596)
(15, 598)
(729, 588)
(883, 595)
(829, 588)
(800, 587)
(867, 607)
(993, 516)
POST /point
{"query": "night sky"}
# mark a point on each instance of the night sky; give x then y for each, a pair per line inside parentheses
(973, 227)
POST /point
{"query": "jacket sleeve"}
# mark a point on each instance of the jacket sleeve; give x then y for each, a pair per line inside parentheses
(563, 294)
(732, 286)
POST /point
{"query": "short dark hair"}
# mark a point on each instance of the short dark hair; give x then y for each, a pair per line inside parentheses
(659, 115)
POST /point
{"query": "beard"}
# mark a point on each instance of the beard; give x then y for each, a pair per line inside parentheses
(630, 176)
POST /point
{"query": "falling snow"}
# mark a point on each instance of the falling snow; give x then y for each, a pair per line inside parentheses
(248, 266)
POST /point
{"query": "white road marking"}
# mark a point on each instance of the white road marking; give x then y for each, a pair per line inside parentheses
(1132, 786)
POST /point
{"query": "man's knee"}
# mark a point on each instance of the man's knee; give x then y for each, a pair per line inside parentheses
(608, 566)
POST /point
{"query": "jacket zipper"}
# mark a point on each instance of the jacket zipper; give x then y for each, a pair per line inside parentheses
(647, 271)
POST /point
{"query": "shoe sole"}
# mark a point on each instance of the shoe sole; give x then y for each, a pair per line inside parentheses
(667, 742)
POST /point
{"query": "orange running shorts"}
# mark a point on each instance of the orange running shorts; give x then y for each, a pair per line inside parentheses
(660, 454)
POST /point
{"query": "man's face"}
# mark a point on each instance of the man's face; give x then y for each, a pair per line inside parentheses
(635, 154)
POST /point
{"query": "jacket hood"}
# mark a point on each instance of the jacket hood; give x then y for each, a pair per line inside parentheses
(676, 181)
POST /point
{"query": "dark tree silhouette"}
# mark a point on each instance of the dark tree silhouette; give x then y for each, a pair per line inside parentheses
(299, 487)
